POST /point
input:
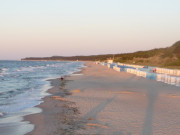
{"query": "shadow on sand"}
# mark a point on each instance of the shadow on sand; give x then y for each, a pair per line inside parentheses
(152, 95)
(94, 112)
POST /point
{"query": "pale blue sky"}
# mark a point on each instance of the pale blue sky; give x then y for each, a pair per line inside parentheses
(85, 27)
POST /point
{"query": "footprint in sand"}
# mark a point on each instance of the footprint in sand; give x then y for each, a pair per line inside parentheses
(76, 91)
(96, 125)
(173, 96)
(91, 119)
(59, 98)
(123, 92)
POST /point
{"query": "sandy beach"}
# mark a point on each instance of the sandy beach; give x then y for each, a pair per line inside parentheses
(102, 101)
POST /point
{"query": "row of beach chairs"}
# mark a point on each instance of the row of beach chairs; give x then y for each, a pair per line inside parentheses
(168, 76)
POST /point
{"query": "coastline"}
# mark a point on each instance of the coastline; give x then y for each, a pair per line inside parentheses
(103, 101)
(49, 120)
(23, 87)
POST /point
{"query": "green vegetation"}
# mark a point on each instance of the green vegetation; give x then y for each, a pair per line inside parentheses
(163, 57)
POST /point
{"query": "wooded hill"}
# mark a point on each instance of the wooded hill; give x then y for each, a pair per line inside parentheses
(163, 57)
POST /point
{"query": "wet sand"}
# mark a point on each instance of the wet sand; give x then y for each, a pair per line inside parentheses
(103, 101)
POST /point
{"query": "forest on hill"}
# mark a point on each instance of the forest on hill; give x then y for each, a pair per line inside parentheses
(162, 57)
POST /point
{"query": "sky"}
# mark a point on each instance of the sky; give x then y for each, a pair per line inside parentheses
(42, 28)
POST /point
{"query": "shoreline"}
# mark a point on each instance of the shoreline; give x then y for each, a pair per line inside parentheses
(57, 92)
(103, 101)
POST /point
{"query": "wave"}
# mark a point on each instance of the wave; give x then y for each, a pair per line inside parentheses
(36, 67)
(29, 68)
(1, 114)
(25, 83)
(3, 71)
(77, 74)
(8, 93)
(52, 65)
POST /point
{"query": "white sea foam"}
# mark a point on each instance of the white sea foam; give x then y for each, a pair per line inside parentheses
(1, 114)
(3, 71)
(76, 74)
(28, 85)
(39, 67)
(29, 68)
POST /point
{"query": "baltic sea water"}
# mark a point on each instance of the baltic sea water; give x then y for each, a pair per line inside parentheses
(23, 84)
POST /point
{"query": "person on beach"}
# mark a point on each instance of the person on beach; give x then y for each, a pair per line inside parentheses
(61, 78)
(62, 83)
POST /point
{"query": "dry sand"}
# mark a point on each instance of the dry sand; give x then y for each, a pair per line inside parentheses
(103, 101)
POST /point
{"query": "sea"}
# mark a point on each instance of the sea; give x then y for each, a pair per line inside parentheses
(23, 84)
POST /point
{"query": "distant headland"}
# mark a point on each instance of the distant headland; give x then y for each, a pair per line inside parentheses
(163, 57)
